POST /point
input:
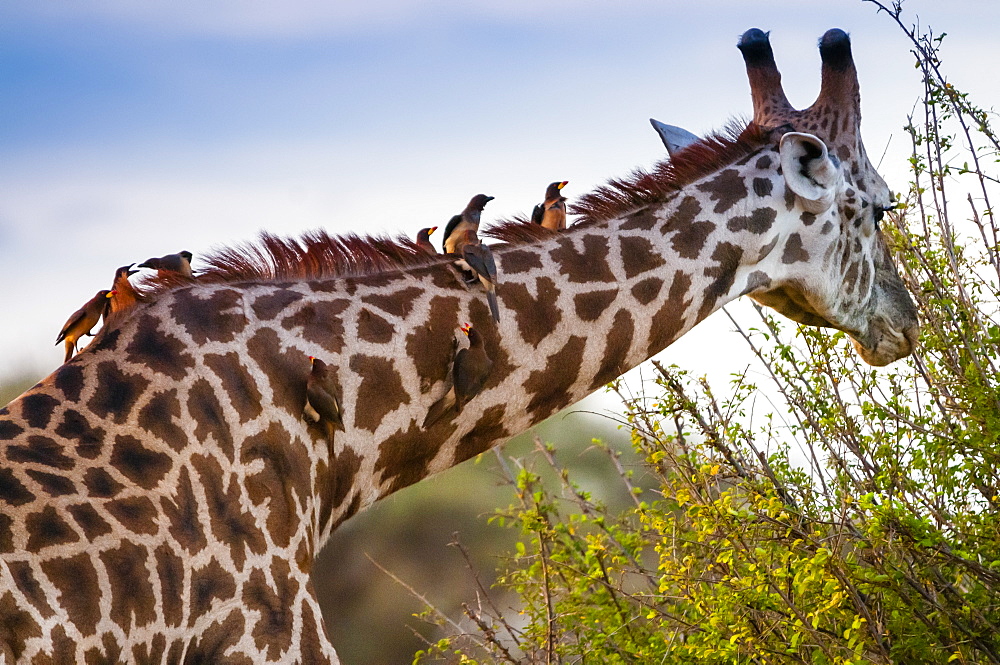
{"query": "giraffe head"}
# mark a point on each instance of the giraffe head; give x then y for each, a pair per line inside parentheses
(826, 262)
(871, 303)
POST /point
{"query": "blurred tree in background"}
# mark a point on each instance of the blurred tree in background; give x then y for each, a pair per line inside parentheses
(817, 510)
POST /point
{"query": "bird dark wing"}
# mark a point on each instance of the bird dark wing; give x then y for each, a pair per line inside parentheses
(324, 403)
(471, 372)
(452, 223)
(538, 213)
(74, 321)
(480, 259)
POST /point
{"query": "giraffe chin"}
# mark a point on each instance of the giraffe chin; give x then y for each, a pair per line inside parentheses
(887, 345)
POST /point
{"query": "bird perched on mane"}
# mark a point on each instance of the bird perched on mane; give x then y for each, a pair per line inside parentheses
(125, 294)
(551, 213)
(469, 372)
(466, 220)
(179, 263)
(82, 321)
(322, 406)
(424, 240)
(478, 258)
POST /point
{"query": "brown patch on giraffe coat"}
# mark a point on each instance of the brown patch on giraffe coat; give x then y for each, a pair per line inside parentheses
(549, 387)
(16, 626)
(537, 316)
(132, 596)
(236, 529)
(399, 303)
(273, 631)
(404, 456)
(219, 317)
(79, 589)
(100, 484)
(864, 284)
(286, 370)
(75, 427)
(161, 352)
(516, 261)
(638, 255)
(37, 408)
(790, 198)
(116, 392)
(213, 643)
(351, 510)
(429, 346)
(40, 450)
(170, 572)
(767, 249)
(63, 648)
(135, 513)
(727, 257)
(643, 219)
(616, 348)
(206, 411)
(589, 306)
(807, 218)
(138, 463)
(208, 583)
(726, 189)
(689, 240)
(381, 391)
(762, 186)
(48, 528)
(669, 321)
(756, 280)
(6, 534)
(110, 654)
(759, 221)
(150, 653)
(268, 306)
(764, 162)
(158, 418)
(181, 508)
(69, 379)
(24, 579)
(588, 266)
(12, 491)
(309, 641)
(488, 430)
(286, 466)
(647, 290)
(683, 217)
(373, 328)
(850, 278)
(88, 519)
(238, 384)
(794, 252)
(320, 323)
(9, 429)
(52, 484)
(106, 340)
(334, 482)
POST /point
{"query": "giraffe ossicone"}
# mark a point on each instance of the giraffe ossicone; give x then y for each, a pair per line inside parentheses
(162, 498)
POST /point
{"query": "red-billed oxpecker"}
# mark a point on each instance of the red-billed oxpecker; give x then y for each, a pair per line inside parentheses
(470, 370)
(82, 321)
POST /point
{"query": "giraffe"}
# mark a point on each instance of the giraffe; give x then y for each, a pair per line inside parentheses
(162, 498)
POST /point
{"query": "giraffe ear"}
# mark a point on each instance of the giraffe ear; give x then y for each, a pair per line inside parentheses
(809, 171)
(674, 138)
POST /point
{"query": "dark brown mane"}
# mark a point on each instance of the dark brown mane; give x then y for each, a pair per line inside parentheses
(313, 254)
(518, 230)
(643, 188)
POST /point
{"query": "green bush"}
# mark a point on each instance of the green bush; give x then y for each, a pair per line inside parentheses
(853, 521)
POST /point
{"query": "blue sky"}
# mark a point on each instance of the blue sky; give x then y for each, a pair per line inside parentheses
(129, 130)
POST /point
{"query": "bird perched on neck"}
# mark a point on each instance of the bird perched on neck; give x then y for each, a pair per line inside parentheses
(82, 321)
(466, 220)
(322, 406)
(551, 213)
(125, 295)
(424, 240)
(470, 370)
(179, 263)
(478, 258)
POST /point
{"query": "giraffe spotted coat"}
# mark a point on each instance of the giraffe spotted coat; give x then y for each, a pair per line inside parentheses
(163, 498)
